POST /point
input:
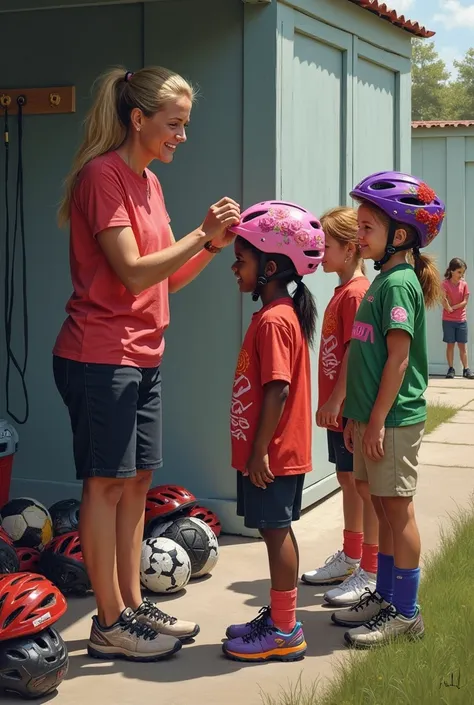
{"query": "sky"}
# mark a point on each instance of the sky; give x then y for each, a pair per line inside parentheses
(452, 20)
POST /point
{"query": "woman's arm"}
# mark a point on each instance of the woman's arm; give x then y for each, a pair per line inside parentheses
(398, 351)
(139, 273)
(189, 270)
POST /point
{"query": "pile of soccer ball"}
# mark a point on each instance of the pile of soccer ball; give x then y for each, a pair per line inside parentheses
(33, 656)
(180, 540)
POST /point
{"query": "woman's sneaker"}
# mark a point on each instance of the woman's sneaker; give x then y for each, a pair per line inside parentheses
(130, 639)
(148, 613)
(451, 373)
(387, 626)
(352, 589)
(237, 631)
(468, 374)
(335, 570)
(368, 607)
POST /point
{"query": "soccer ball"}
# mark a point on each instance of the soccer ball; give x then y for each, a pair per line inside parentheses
(165, 566)
(27, 522)
(213, 548)
(191, 536)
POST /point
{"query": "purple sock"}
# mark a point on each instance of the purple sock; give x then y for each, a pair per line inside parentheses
(405, 590)
(385, 576)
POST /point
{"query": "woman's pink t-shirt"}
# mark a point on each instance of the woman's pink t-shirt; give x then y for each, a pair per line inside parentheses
(106, 323)
(455, 293)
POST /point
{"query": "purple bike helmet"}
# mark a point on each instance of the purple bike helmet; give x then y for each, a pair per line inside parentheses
(404, 199)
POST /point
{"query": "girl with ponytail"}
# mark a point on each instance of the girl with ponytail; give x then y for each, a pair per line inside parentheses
(277, 244)
(124, 262)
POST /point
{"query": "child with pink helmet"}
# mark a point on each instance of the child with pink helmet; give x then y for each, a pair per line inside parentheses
(386, 381)
(277, 244)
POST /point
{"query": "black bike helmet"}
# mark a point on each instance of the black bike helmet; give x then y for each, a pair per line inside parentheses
(65, 516)
(63, 564)
(33, 666)
(9, 561)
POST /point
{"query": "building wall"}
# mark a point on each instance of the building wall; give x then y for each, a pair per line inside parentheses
(445, 159)
(205, 335)
(343, 112)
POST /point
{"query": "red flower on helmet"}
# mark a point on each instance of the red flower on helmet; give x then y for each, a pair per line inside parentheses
(432, 220)
(425, 193)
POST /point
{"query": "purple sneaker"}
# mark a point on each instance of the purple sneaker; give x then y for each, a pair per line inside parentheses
(237, 631)
(267, 643)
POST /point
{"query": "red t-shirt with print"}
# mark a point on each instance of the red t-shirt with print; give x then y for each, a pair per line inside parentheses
(106, 323)
(455, 293)
(336, 334)
(274, 348)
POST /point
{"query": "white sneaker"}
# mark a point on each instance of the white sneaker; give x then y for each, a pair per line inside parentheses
(335, 570)
(352, 589)
(387, 626)
(369, 606)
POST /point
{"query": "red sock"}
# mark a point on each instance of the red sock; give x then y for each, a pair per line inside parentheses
(352, 546)
(283, 609)
(370, 554)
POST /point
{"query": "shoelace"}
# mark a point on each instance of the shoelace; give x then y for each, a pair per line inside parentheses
(383, 616)
(367, 597)
(260, 630)
(139, 628)
(335, 557)
(262, 616)
(147, 608)
(357, 579)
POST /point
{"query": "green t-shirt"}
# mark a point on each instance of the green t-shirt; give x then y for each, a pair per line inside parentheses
(394, 300)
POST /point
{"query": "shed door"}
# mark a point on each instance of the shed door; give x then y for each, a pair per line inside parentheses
(315, 136)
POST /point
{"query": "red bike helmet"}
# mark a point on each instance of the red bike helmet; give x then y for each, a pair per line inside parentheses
(208, 516)
(29, 558)
(165, 500)
(62, 562)
(28, 604)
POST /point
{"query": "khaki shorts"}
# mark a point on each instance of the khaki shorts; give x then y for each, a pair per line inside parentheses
(396, 474)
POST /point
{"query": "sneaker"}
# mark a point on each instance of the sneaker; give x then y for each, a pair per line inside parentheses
(451, 373)
(237, 631)
(368, 607)
(148, 613)
(335, 570)
(385, 627)
(130, 639)
(267, 643)
(468, 374)
(352, 589)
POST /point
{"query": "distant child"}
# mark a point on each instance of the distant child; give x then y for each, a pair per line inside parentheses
(355, 566)
(387, 377)
(271, 429)
(455, 298)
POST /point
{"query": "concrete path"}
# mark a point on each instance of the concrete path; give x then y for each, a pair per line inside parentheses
(239, 587)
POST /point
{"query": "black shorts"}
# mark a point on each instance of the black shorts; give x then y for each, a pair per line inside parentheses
(337, 451)
(115, 414)
(273, 508)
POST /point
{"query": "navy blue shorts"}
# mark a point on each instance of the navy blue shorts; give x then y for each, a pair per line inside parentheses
(337, 451)
(273, 508)
(116, 417)
(455, 332)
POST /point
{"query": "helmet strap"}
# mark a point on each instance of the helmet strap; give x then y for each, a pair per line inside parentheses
(389, 248)
(263, 280)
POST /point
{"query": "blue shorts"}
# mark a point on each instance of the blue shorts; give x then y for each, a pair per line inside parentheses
(273, 508)
(454, 332)
(337, 451)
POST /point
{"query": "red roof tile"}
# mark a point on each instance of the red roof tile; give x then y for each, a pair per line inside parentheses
(442, 123)
(381, 9)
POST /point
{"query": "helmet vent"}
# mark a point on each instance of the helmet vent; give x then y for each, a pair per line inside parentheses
(13, 615)
(412, 201)
(252, 216)
(289, 205)
(17, 655)
(382, 186)
(316, 225)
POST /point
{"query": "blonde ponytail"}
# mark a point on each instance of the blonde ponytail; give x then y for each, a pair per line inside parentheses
(106, 123)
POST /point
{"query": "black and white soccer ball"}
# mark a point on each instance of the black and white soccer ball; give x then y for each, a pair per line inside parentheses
(165, 566)
(27, 522)
(65, 516)
(191, 536)
(213, 549)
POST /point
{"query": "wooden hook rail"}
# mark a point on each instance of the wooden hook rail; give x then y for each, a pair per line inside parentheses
(39, 101)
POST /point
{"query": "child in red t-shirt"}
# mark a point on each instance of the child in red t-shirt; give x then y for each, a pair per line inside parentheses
(353, 569)
(455, 298)
(277, 244)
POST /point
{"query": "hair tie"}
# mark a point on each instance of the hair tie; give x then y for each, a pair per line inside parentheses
(128, 76)
(416, 251)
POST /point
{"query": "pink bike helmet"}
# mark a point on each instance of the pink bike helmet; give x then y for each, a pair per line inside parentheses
(404, 199)
(277, 227)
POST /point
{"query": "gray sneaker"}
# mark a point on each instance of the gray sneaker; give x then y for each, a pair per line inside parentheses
(368, 607)
(148, 613)
(130, 639)
(386, 627)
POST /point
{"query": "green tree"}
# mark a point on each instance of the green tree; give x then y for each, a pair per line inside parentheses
(429, 81)
(463, 88)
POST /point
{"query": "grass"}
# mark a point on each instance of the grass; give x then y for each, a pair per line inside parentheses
(438, 670)
(438, 414)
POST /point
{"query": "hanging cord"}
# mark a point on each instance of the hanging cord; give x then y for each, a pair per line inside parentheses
(10, 259)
